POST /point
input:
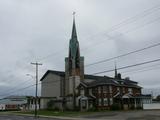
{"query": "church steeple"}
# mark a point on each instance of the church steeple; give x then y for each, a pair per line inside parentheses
(116, 74)
(74, 63)
(74, 52)
(74, 33)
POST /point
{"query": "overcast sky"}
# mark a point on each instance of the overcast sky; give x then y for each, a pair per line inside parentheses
(39, 30)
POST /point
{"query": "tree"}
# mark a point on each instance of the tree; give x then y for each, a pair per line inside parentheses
(50, 105)
(158, 98)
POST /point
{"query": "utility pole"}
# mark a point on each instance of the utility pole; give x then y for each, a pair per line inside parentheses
(36, 64)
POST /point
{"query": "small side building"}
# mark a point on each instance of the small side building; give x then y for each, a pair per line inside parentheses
(19, 103)
(13, 103)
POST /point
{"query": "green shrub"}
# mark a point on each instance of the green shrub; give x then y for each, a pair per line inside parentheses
(93, 109)
(50, 105)
(115, 107)
(139, 108)
(56, 109)
(132, 107)
(77, 108)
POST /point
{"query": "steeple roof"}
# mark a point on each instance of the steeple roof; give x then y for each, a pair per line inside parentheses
(74, 33)
(74, 44)
(116, 74)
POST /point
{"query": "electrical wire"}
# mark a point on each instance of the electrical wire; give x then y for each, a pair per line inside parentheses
(117, 26)
(21, 89)
(123, 55)
(128, 66)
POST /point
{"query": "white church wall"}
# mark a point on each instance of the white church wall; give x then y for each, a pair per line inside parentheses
(43, 103)
(51, 86)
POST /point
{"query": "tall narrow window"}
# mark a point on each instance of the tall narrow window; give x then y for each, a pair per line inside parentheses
(82, 91)
(123, 90)
(130, 90)
(99, 89)
(111, 101)
(110, 89)
(99, 102)
(105, 102)
(104, 89)
(118, 89)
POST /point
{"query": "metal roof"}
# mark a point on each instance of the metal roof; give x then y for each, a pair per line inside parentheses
(13, 101)
(92, 80)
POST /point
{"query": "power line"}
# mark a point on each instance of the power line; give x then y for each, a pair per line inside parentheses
(21, 89)
(50, 55)
(24, 82)
(141, 69)
(94, 73)
(138, 64)
(136, 17)
(112, 58)
(98, 43)
(129, 66)
(117, 26)
(122, 56)
(120, 35)
(131, 19)
(111, 29)
(18, 90)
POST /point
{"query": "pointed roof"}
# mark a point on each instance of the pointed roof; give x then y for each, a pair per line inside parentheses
(116, 74)
(74, 44)
(74, 33)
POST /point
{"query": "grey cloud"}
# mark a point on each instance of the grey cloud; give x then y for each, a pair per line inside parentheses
(36, 29)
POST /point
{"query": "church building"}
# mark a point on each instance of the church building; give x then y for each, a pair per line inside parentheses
(73, 89)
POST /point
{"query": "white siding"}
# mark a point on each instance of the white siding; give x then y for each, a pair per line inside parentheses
(2, 106)
(51, 86)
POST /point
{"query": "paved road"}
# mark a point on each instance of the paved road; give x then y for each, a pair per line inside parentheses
(109, 115)
(126, 115)
(14, 117)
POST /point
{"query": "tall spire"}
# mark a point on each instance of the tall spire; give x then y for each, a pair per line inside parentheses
(74, 52)
(74, 44)
(116, 74)
(74, 33)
